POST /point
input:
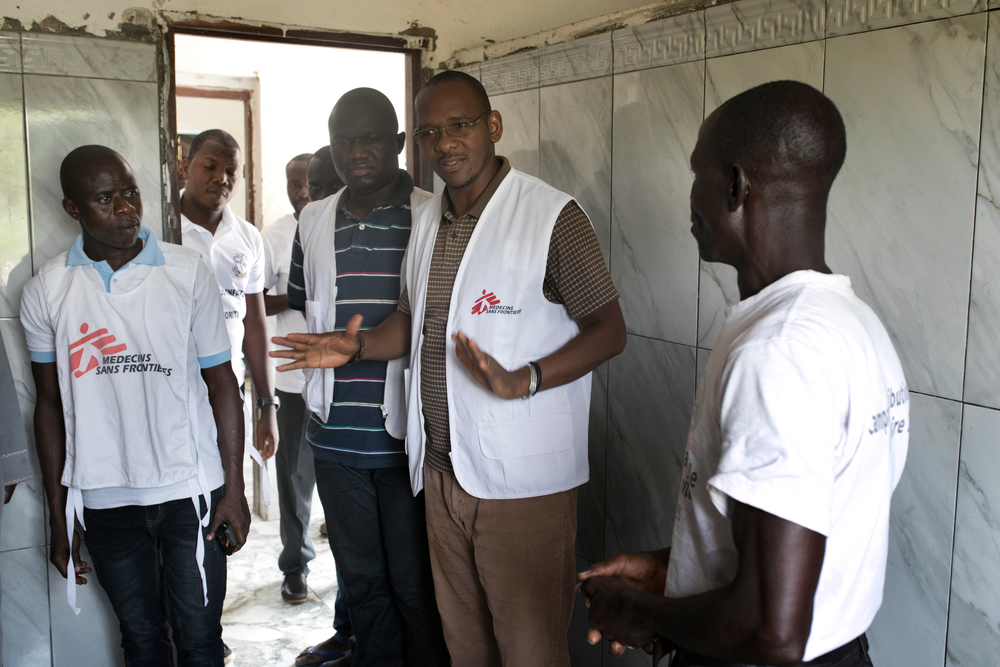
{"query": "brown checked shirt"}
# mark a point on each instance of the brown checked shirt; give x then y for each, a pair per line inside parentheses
(575, 276)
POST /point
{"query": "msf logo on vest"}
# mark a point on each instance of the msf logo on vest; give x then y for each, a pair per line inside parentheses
(85, 354)
(489, 304)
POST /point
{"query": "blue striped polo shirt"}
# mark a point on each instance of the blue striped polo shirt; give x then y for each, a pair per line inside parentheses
(369, 255)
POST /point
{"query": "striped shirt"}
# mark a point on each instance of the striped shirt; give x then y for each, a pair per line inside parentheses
(369, 254)
(575, 276)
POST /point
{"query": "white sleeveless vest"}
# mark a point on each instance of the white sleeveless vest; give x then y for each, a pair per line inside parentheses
(317, 223)
(116, 353)
(518, 448)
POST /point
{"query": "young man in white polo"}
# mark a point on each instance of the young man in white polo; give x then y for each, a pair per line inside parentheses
(138, 422)
(233, 250)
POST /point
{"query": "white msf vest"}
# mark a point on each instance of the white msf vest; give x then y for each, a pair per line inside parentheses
(128, 402)
(518, 448)
(317, 223)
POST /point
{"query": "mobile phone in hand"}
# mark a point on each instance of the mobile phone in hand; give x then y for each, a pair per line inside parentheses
(226, 537)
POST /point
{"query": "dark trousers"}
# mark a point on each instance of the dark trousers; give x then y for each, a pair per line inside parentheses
(144, 558)
(294, 466)
(851, 654)
(378, 537)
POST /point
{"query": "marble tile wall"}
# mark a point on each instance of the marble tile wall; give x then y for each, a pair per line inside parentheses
(911, 220)
(519, 142)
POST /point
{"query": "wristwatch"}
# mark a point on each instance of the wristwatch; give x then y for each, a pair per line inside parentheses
(269, 400)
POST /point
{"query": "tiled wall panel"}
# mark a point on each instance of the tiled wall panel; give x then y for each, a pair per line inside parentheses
(15, 244)
(519, 142)
(24, 609)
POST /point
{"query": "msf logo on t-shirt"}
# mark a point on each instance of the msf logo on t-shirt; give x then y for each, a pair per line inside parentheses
(490, 304)
(85, 354)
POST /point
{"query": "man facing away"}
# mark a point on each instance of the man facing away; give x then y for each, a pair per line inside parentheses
(293, 460)
(348, 258)
(233, 249)
(800, 427)
(138, 421)
(507, 308)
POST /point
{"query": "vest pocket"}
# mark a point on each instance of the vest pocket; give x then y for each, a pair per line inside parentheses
(531, 437)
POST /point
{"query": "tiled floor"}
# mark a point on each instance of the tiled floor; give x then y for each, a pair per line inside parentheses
(257, 624)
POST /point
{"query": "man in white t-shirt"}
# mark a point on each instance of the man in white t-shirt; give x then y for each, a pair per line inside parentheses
(233, 250)
(293, 460)
(138, 421)
(800, 426)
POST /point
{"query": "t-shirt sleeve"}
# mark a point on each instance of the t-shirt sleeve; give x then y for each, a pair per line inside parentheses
(255, 280)
(208, 326)
(272, 263)
(296, 277)
(575, 274)
(403, 305)
(38, 329)
(781, 421)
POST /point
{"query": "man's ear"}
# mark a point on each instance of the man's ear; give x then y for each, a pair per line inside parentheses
(496, 125)
(71, 208)
(183, 171)
(400, 142)
(738, 187)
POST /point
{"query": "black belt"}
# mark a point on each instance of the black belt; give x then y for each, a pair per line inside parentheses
(690, 659)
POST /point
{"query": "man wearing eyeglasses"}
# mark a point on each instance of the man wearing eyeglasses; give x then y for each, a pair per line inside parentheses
(347, 259)
(506, 310)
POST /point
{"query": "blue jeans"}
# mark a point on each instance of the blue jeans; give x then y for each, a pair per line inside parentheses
(144, 558)
(378, 536)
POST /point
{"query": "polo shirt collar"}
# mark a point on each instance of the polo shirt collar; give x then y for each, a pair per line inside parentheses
(399, 199)
(477, 210)
(227, 222)
(150, 253)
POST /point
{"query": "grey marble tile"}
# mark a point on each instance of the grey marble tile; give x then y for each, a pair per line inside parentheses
(974, 618)
(760, 24)
(15, 243)
(651, 388)
(24, 517)
(586, 58)
(910, 628)
(901, 211)
(25, 608)
(63, 113)
(581, 653)
(982, 366)
(724, 78)
(575, 148)
(654, 258)
(591, 497)
(510, 74)
(60, 55)
(850, 16)
(10, 52)
(473, 71)
(678, 39)
(94, 633)
(519, 142)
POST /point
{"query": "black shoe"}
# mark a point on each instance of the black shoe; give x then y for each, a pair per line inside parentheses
(293, 589)
(227, 654)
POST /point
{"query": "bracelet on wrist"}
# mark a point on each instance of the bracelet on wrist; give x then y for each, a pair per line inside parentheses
(359, 355)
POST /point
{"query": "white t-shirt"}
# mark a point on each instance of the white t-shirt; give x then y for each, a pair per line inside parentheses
(208, 346)
(235, 254)
(803, 412)
(278, 237)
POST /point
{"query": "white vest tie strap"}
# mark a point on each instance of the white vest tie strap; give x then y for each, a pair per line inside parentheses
(74, 509)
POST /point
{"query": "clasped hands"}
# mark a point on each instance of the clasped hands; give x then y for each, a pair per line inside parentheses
(334, 349)
(611, 590)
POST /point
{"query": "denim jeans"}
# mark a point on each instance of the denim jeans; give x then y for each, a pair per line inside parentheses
(378, 536)
(144, 558)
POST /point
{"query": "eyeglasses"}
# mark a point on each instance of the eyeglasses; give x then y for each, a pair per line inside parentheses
(462, 129)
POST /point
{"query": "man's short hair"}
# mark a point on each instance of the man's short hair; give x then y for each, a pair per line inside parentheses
(219, 136)
(783, 130)
(455, 76)
(83, 159)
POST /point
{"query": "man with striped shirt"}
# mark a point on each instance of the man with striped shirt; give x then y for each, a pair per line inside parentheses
(376, 525)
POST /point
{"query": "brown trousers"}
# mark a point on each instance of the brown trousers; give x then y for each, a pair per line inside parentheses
(504, 573)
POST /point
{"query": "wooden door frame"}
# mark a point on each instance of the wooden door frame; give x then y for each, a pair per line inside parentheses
(203, 27)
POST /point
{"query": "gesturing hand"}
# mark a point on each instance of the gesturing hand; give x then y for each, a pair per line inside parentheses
(610, 600)
(326, 350)
(488, 372)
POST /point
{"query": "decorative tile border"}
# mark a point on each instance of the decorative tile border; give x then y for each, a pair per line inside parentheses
(749, 25)
(585, 58)
(845, 17)
(10, 52)
(671, 41)
(91, 58)
(510, 74)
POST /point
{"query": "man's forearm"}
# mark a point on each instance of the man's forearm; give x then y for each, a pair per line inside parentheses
(255, 345)
(389, 340)
(275, 303)
(50, 441)
(601, 337)
(224, 396)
